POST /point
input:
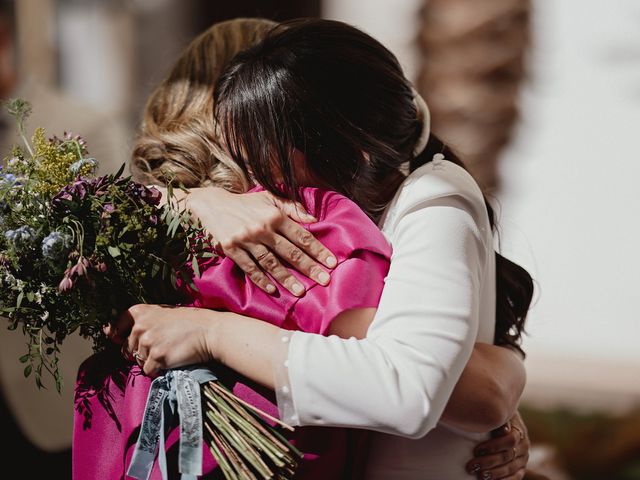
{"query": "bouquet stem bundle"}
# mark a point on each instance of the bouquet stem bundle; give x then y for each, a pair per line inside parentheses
(244, 444)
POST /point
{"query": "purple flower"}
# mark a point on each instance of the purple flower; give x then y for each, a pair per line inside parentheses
(74, 193)
(150, 196)
(79, 189)
(154, 195)
(99, 185)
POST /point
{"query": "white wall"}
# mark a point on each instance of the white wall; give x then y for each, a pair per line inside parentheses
(571, 202)
(393, 22)
(571, 198)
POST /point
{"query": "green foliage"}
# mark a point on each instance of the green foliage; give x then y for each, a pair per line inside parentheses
(589, 446)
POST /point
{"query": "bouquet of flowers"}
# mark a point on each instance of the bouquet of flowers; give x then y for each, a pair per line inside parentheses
(76, 250)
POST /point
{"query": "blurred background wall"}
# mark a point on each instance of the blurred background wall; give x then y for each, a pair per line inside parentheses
(541, 98)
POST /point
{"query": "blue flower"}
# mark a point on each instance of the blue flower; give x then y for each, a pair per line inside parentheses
(55, 246)
(9, 178)
(22, 239)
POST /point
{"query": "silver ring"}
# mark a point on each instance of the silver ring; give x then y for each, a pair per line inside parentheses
(141, 360)
(519, 431)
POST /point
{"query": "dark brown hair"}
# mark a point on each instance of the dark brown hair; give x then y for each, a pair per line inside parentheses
(332, 92)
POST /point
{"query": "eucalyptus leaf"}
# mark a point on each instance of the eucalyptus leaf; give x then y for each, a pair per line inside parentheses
(196, 267)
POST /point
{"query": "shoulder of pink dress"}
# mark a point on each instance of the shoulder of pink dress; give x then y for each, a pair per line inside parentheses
(342, 225)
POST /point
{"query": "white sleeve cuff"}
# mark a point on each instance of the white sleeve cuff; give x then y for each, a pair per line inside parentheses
(282, 385)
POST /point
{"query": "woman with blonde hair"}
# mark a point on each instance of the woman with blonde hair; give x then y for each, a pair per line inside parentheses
(178, 137)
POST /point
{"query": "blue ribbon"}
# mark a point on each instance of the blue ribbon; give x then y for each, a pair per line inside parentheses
(177, 392)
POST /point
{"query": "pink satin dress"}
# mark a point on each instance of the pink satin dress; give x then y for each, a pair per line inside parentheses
(111, 394)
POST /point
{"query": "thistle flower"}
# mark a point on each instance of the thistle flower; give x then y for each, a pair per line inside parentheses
(8, 178)
(77, 167)
(22, 239)
(55, 246)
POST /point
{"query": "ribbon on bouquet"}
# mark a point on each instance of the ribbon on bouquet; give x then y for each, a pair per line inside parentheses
(177, 392)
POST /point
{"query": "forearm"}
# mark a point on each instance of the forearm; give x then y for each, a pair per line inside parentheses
(245, 345)
(488, 391)
(251, 347)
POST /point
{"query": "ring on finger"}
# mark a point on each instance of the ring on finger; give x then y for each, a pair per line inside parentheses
(262, 256)
(520, 432)
(140, 361)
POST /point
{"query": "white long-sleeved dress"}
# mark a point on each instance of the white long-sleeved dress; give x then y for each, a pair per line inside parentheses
(438, 300)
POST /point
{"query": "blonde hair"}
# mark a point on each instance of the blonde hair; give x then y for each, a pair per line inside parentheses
(178, 137)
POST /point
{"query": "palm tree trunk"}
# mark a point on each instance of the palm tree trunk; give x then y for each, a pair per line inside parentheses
(473, 56)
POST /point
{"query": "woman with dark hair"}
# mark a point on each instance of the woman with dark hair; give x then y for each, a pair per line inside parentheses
(327, 106)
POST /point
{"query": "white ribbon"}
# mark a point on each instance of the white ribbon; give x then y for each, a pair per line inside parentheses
(177, 392)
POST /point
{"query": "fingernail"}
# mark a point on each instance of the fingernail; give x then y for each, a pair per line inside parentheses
(475, 468)
(331, 262)
(271, 288)
(297, 288)
(486, 476)
(311, 218)
(323, 278)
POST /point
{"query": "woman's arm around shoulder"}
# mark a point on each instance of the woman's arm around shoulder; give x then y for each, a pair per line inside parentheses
(399, 378)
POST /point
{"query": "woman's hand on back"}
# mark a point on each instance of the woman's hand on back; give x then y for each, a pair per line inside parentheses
(258, 231)
(504, 456)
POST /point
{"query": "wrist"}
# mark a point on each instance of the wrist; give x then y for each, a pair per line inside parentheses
(213, 334)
